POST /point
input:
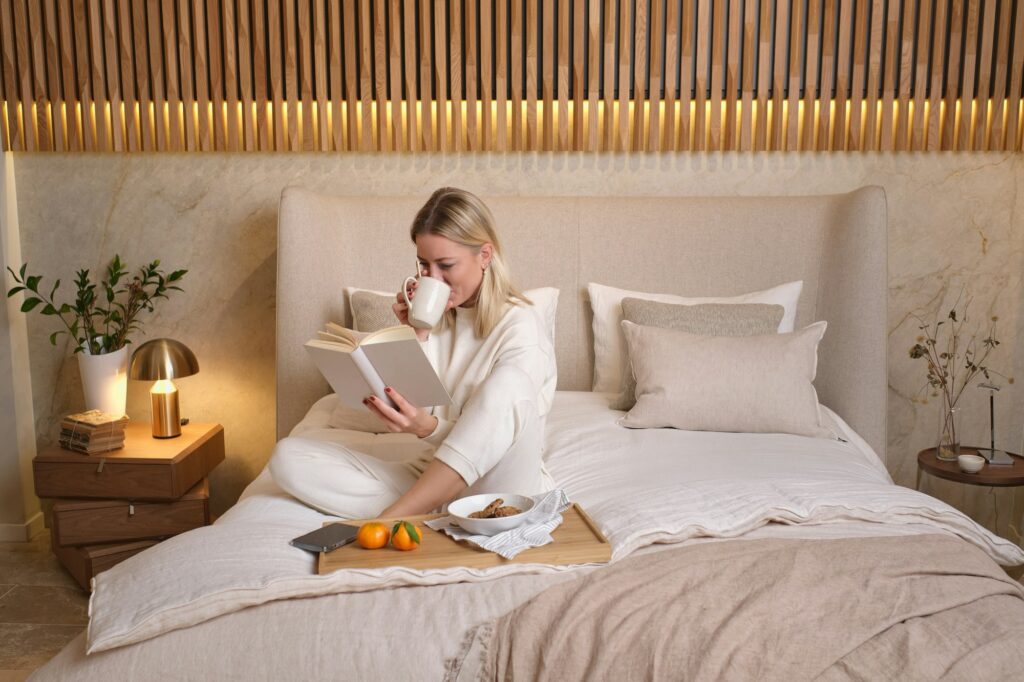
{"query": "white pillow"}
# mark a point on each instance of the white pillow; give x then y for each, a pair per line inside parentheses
(744, 384)
(610, 356)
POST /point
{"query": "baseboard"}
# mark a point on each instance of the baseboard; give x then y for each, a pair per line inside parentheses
(22, 532)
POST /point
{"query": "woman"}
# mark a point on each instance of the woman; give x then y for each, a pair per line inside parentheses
(492, 354)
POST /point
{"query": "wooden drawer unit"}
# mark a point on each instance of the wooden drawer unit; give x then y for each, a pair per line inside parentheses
(83, 563)
(146, 468)
(85, 522)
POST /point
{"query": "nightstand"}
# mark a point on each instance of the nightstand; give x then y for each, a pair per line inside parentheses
(994, 476)
(115, 504)
(1001, 476)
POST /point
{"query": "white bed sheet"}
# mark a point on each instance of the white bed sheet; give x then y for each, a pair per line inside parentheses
(642, 487)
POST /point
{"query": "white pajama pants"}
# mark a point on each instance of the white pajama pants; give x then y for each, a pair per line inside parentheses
(355, 475)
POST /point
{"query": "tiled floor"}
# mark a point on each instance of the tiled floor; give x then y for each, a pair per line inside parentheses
(41, 607)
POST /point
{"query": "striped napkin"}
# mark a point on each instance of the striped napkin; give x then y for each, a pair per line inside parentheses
(541, 521)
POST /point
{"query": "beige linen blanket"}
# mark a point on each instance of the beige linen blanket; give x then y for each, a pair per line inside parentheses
(924, 607)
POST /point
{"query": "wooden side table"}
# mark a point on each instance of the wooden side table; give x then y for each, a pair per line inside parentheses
(994, 476)
(112, 505)
(989, 475)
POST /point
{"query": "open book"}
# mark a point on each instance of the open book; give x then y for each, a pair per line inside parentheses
(358, 364)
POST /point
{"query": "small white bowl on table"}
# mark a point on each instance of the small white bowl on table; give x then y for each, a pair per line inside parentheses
(970, 464)
(461, 508)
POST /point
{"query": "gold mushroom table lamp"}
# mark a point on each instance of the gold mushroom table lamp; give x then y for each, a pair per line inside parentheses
(161, 360)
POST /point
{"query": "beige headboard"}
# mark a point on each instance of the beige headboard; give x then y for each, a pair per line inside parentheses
(696, 246)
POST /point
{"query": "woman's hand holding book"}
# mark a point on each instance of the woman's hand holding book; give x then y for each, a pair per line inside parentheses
(406, 419)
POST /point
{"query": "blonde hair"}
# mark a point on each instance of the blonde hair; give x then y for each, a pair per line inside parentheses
(460, 216)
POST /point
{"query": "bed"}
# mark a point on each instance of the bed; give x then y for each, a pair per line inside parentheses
(234, 601)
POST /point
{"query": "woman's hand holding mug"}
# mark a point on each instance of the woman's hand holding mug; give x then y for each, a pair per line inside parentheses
(421, 303)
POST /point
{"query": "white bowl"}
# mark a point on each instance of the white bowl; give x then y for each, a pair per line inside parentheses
(971, 464)
(461, 508)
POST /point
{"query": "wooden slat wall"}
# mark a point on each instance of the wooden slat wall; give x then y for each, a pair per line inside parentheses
(511, 75)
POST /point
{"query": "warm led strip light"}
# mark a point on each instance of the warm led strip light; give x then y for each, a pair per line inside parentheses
(530, 75)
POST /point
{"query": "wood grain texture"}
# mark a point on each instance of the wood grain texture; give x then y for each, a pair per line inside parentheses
(825, 100)
(610, 31)
(185, 57)
(625, 20)
(395, 39)
(1013, 132)
(215, 54)
(307, 133)
(275, 70)
(260, 71)
(718, 32)
(83, 523)
(840, 133)
(175, 126)
(956, 27)
(781, 45)
(739, 75)
(530, 27)
(380, 77)
(810, 123)
(891, 59)
(511, 75)
(935, 113)
(244, 45)
(876, 46)
(487, 75)
(145, 469)
(53, 57)
(980, 138)
(40, 96)
(562, 79)
(639, 99)
(700, 80)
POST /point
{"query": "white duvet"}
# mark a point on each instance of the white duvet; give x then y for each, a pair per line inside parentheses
(191, 592)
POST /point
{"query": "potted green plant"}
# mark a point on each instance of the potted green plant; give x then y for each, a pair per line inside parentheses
(100, 321)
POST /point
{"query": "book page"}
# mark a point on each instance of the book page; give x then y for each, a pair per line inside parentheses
(400, 333)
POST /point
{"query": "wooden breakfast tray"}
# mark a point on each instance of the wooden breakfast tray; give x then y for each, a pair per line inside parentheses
(577, 541)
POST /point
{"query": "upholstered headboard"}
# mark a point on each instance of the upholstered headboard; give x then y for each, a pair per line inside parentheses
(696, 246)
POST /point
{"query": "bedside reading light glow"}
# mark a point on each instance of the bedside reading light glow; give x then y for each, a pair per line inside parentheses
(161, 360)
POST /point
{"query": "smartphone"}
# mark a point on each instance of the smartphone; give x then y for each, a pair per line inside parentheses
(327, 538)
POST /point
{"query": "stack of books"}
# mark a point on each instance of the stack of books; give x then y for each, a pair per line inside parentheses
(92, 432)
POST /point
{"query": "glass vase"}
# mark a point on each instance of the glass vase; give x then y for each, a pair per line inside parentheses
(948, 447)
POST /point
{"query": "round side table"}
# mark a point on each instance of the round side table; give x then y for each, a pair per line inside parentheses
(996, 476)
(1003, 476)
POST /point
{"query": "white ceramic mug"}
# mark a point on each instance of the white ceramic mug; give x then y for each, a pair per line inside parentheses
(426, 309)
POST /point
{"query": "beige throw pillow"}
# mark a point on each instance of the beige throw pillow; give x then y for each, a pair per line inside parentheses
(705, 319)
(371, 310)
(752, 384)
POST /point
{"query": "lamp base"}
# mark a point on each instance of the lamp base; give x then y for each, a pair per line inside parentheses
(166, 422)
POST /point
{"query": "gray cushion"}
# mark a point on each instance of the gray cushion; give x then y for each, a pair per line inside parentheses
(753, 384)
(703, 319)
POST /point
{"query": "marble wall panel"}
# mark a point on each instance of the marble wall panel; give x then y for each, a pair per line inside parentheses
(953, 221)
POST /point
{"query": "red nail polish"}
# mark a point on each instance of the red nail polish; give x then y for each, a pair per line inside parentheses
(387, 389)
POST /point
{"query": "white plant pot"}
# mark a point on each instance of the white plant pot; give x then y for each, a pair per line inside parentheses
(105, 381)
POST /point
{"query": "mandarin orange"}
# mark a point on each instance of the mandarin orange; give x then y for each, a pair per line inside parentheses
(373, 535)
(405, 536)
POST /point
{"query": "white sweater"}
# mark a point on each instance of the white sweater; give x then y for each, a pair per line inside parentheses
(464, 363)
